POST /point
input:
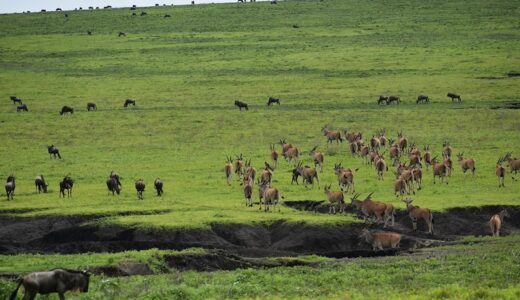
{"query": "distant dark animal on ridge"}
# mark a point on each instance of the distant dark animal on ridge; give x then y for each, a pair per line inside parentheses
(41, 185)
(134, 14)
(10, 186)
(53, 281)
(167, 16)
(121, 34)
(422, 99)
(139, 186)
(53, 151)
(129, 102)
(66, 184)
(241, 104)
(89, 32)
(454, 96)
(22, 107)
(91, 106)
(272, 101)
(396, 99)
(382, 99)
(158, 186)
(66, 109)
(58, 9)
(16, 100)
(143, 13)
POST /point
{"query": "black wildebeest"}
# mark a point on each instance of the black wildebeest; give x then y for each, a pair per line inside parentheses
(58, 9)
(396, 99)
(129, 102)
(167, 16)
(139, 186)
(66, 184)
(143, 13)
(454, 96)
(383, 99)
(41, 185)
(91, 106)
(121, 34)
(134, 14)
(158, 186)
(22, 107)
(10, 185)
(422, 99)
(273, 100)
(53, 151)
(16, 100)
(113, 186)
(66, 109)
(89, 32)
(53, 281)
(241, 104)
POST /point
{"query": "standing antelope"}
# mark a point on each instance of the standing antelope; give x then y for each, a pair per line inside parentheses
(375, 143)
(381, 167)
(317, 157)
(331, 135)
(228, 169)
(274, 156)
(307, 173)
(335, 198)
(394, 151)
(285, 146)
(427, 156)
(250, 170)
(379, 240)
(500, 172)
(248, 190)
(382, 138)
(345, 178)
(269, 195)
(415, 213)
(446, 149)
(239, 165)
(496, 222)
(378, 209)
(267, 175)
(402, 141)
(292, 154)
(449, 165)
(439, 170)
(514, 163)
(466, 164)
(365, 151)
(400, 187)
(354, 148)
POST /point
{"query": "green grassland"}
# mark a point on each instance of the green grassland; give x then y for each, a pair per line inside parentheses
(185, 73)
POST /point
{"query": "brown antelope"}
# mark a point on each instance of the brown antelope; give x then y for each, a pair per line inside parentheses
(267, 175)
(446, 149)
(274, 156)
(500, 172)
(381, 167)
(380, 240)
(228, 169)
(317, 157)
(307, 173)
(439, 170)
(449, 165)
(250, 171)
(417, 177)
(400, 187)
(496, 222)
(335, 198)
(427, 156)
(415, 160)
(377, 207)
(239, 165)
(382, 138)
(415, 151)
(331, 135)
(354, 148)
(248, 190)
(466, 164)
(364, 152)
(285, 146)
(375, 143)
(351, 136)
(394, 151)
(514, 163)
(372, 156)
(291, 154)
(345, 178)
(415, 213)
(269, 195)
(402, 141)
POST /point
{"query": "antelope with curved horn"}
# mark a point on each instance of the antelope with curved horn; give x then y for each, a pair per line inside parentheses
(402, 141)
(381, 167)
(500, 171)
(317, 157)
(439, 170)
(446, 149)
(345, 178)
(239, 165)
(274, 156)
(466, 164)
(416, 213)
(269, 195)
(307, 173)
(335, 198)
(331, 135)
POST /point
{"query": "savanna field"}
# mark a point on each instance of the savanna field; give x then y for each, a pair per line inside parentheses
(328, 62)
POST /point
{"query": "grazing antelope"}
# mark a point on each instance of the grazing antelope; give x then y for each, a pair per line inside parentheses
(331, 135)
(345, 178)
(446, 149)
(267, 175)
(239, 165)
(496, 222)
(139, 187)
(53, 151)
(274, 156)
(375, 143)
(454, 96)
(228, 169)
(383, 99)
(335, 198)
(10, 186)
(380, 167)
(317, 157)
(292, 154)
(248, 190)
(422, 99)
(158, 186)
(427, 156)
(500, 171)
(439, 170)
(415, 213)
(66, 184)
(380, 240)
(40, 184)
(466, 164)
(307, 173)
(514, 163)
(269, 195)
(402, 141)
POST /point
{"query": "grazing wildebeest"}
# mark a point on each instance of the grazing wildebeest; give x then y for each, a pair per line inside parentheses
(22, 107)
(66, 184)
(91, 106)
(396, 99)
(422, 99)
(58, 9)
(16, 100)
(274, 2)
(192, 2)
(241, 104)
(66, 109)
(129, 102)
(41, 185)
(139, 186)
(53, 151)
(121, 34)
(134, 14)
(89, 32)
(54, 281)
(382, 99)
(143, 13)
(454, 96)
(167, 16)
(273, 100)
(9, 187)
(158, 186)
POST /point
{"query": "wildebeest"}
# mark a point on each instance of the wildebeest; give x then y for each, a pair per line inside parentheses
(53, 151)
(422, 99)
(167, 16)
(129, 102)
(10, 186)
(121, 34)
(134, 14)
(396, 99)
(41, 185)
(113, 185)
(54, 281)
(66, 184)
(241, 105)
(158, 186)
(454, 96)
(91, 106)
(16, 100)
(89, 32)
(66, 109)
(22, 107)
(143, 13)
(139, 187)
(383, 99)
(58, 9)
(273, 100)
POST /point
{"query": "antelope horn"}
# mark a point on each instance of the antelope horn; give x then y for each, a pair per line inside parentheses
(369, 196)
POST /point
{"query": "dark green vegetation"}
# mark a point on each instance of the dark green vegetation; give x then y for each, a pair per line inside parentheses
(186, 71)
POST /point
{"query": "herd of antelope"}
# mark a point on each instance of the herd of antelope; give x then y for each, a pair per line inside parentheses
(403, 155)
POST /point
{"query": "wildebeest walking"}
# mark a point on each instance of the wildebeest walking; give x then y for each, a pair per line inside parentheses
(241, 105)
(422, 99)
(22, 107)
(143, 13)
(139, 186)
(121, 34)
(53, 151)
(113, 186)
(396, 99)
(53, 281)
(10, 186)
(383, 99)
(454, 96)
(158, 186)
(273, 100)
(91, 106)
(66, 184)
(16, 100)
(167, 16)
(129, 102)
(66, 109)
(41, 185)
